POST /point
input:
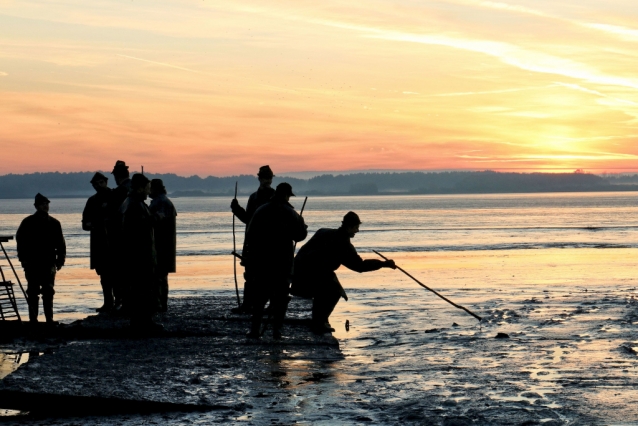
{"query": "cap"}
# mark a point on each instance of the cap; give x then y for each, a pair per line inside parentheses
(139, 181)
(120, 166)
(265, 172)
(39, 199)
(351, 219)
(284, 189)
(157, 185)
(99, 176)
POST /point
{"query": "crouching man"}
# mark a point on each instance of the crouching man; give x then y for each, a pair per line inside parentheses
(315, 267)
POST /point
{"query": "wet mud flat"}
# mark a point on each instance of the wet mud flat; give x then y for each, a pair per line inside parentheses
(566, 356)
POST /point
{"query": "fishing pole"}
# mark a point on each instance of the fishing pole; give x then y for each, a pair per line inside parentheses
(235, 258)
(433, 291)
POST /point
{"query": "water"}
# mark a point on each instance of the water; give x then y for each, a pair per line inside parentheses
(397, 223)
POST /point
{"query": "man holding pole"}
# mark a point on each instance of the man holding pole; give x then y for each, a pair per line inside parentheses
(315, 267)
(257, 199)
(268, 257)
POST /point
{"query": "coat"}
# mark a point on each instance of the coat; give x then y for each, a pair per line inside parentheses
(256, 200)
(321, 256)
(165, 232)
(138, 239)
(40, 241)
(94, 220)
(270, 237)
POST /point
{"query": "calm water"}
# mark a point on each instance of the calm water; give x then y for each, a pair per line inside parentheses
(398, 223)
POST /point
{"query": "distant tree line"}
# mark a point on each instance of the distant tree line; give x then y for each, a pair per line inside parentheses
(77, 184)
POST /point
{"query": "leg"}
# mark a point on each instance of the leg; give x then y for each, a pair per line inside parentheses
(163, 292)
(279, 305)
(106, 280)
(47, 296)
(33, 292)
(322, 306)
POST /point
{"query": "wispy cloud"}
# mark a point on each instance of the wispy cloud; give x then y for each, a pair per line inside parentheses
(159, 63)
(3, 74)
(491, 92)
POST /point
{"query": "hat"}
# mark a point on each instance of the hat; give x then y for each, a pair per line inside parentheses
(284, 189)
(99, 176)
(265, 172)
(351, 219)
(157, 185)
(39, 199)
(139, 181)
(120, 166)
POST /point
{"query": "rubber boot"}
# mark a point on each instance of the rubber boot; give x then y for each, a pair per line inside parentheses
(33, 303)
(47, 304)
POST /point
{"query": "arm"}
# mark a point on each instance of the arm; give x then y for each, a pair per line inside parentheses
(301, 231)
(60, 247)
(353, 261)
(239, 211)
(86, 219)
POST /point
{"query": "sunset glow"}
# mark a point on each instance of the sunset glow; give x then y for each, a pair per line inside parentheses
(220, 88)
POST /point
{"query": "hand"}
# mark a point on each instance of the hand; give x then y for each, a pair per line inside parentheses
(234, 204)
(390, 264)
(58, 266)
(161, 215)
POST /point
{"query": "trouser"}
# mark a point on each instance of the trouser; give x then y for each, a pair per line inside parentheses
(108, 282)
(275, 290)
(324, 303)
(120, 285)
(40, 280)
(249, 295)
(143, 298)
(162, 289)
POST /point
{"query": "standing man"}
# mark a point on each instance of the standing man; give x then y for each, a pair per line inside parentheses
(94, 220)
(165, 237)
(139, 257)
(257, 199)
(268, 256)
(316, 263)
(42, 251)
(114, 231)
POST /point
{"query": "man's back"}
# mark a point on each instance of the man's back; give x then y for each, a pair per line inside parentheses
(40, 240)
(165, 232)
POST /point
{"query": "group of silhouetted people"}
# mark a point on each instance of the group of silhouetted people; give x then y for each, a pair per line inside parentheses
(273, 229)
(132, 249)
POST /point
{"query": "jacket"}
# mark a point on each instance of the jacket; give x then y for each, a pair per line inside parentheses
(40, 241)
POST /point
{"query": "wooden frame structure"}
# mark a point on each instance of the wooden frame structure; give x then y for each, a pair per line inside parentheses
(8, 305)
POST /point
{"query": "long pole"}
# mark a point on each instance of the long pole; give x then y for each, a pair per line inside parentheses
(235, 258)
(433, 291)
(294, 247)
(14, 271)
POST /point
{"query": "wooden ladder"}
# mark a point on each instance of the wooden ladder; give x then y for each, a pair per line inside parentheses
(8, 306)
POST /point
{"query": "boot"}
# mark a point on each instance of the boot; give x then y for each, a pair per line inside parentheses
(33, 303)
(47, 304)
(255, 326)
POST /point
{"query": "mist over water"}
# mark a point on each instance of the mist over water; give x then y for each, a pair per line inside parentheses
(423, 223)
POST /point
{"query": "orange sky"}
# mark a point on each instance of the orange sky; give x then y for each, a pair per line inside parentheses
(211, 87)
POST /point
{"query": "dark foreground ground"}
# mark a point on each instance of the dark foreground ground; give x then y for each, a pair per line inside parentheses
(567, 361)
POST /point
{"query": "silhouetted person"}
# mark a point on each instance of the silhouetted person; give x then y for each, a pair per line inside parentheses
(139, 255)
(268, 256)
(114, 231)
(165, 237)
(42, 251)
(94, 219)
(316, 263)
(257, 199)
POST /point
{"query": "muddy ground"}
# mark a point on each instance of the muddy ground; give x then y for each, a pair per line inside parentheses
(407, 358)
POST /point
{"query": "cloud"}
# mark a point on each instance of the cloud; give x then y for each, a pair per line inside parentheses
(3, 74)
(160, 63)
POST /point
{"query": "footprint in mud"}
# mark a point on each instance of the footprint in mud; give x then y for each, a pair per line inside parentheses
(316, 377)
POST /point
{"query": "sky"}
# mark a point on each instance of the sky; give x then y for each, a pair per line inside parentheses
(222, 87)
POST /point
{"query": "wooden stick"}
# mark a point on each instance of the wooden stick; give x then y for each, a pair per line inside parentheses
(234, 258)
(433, 291)
(294, 247)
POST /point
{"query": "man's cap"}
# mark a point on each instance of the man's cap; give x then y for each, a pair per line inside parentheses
(139, 181)
(351, 219)
(120, 166)
(157, 184)
(284, 189)
(99, 176)
(265, 172)
(39, 199)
